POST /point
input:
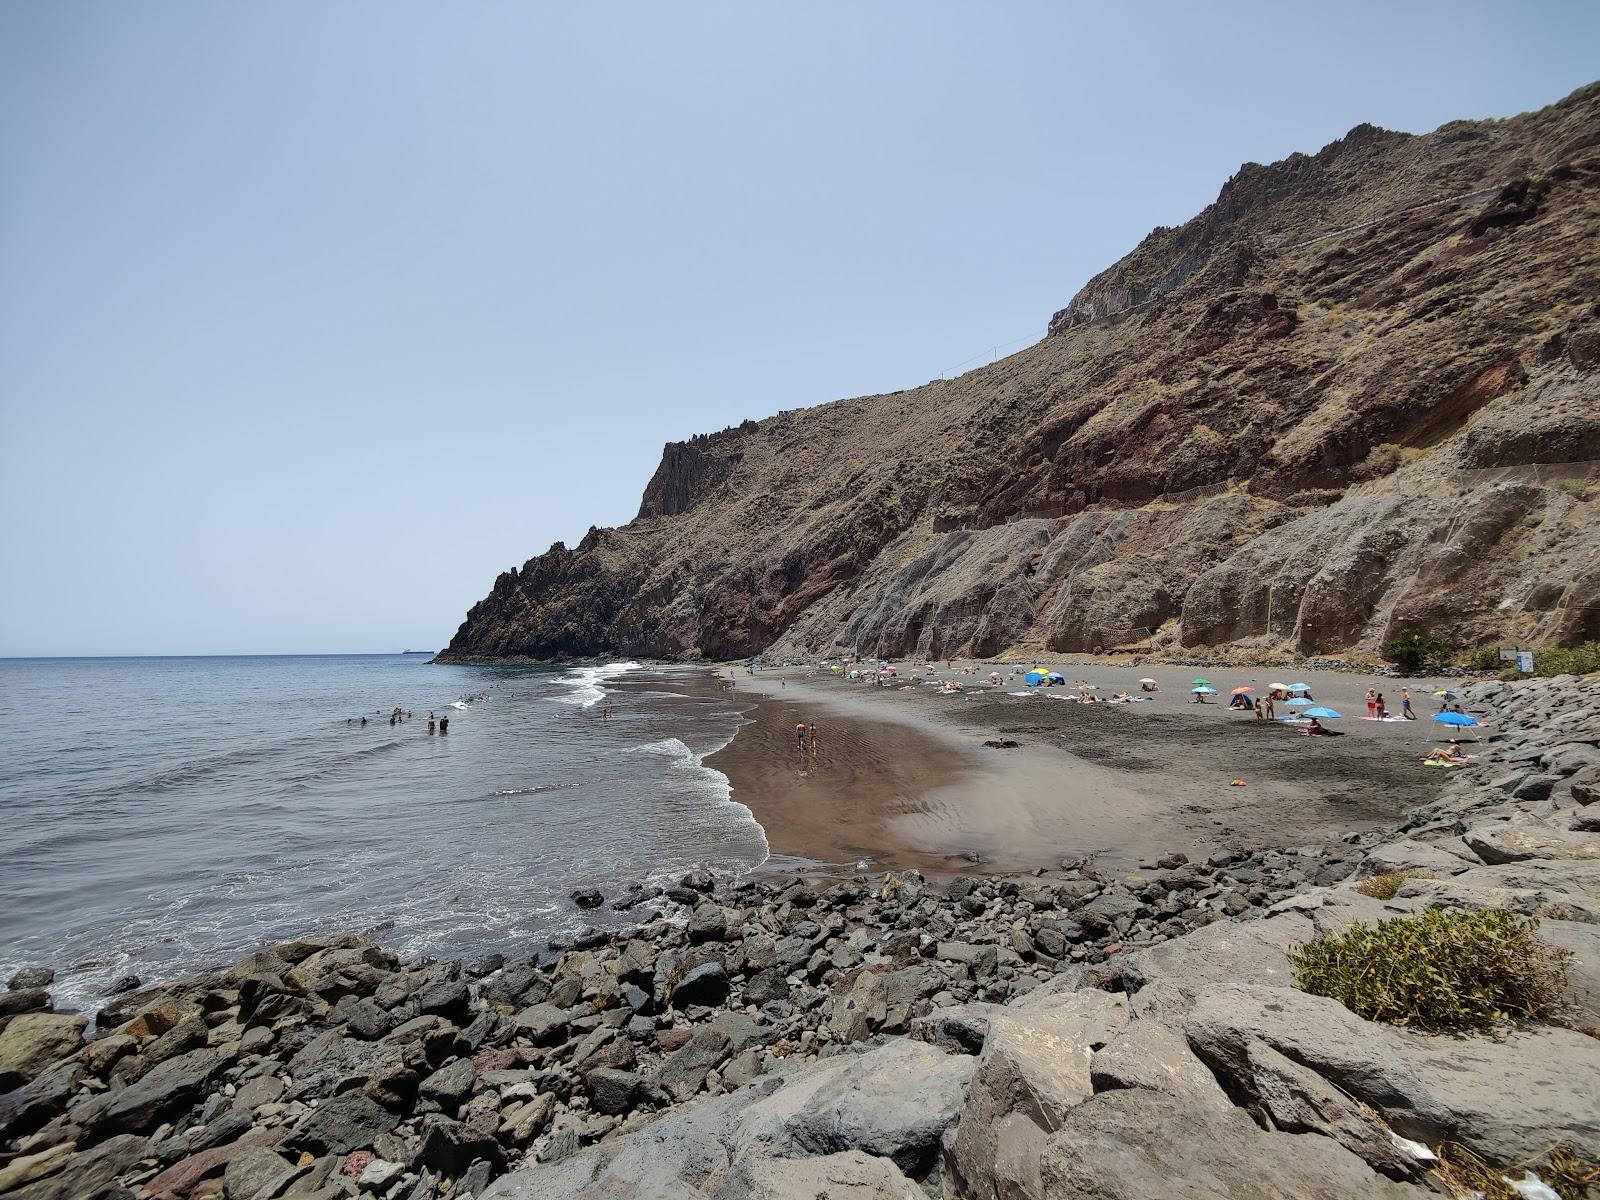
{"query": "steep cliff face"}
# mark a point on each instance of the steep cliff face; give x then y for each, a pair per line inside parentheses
(1325, 409)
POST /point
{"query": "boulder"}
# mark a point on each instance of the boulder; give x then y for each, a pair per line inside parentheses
(256, 1171)
(88, 1173)
(860, 1008)
(543, 1024)
(612, 1091)
(1408, 854)
(706, 984)
(183, 1176)
(1137, 1144)
(1506, 1097)
(347, 1122)
(158, 1096)
(449, 1086)
(1513, 841)
(850, 1175)
(1034, 1066)
(1164, 979)
(684, 1071)
(33, 1041)
(707, 923)
(450, 1147)
(32, 977)
(894, 1102)
(1148, 1054)
(1585, 784)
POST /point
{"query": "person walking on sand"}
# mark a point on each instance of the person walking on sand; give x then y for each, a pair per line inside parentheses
(1405, 705)
(1272, 709)
(800, 735)
(811, 737)
(1261, 710)
(1372, 702)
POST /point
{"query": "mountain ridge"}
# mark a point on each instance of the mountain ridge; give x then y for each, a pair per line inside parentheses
(1256, 428)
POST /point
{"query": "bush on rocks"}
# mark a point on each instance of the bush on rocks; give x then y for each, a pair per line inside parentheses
(1442, 969)
(1384, 886)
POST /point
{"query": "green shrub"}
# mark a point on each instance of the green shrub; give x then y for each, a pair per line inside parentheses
(1442, 969)
(1414, 650)
(1486, 658)
(1384, 887)
(1580, 660)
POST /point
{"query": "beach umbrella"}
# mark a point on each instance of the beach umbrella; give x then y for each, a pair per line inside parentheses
(1147, 681)
(1057, 677)
(1298, 702)
(1322, 714)
(1445, 694)
(1241, 691)
(1205, 691)
(1278, 687)
(1455, 718)
(1298, 687)
(1035, 678)
(1201, 682)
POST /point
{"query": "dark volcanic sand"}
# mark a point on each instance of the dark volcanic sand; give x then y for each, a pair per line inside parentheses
(903, 778)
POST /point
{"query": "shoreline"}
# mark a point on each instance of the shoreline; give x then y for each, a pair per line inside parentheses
(312, 1064)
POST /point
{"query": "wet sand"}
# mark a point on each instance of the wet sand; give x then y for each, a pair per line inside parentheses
(902, 778)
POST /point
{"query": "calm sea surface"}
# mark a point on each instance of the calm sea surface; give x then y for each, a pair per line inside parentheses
(159, 815)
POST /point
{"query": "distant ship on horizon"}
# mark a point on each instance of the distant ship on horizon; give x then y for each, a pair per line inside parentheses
(416, 652)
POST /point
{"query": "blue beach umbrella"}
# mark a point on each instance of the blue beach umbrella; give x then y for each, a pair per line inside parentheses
(1057, 677)
(1205, 691)
(1322, 714)
(1035, 678)
(1455, 718)
(1299, 687)
(1297, 702)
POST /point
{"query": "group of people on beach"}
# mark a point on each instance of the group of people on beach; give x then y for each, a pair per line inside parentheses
(805, 737)
(1378, 710)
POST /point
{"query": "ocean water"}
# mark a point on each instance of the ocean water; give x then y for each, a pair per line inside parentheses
(160, 815)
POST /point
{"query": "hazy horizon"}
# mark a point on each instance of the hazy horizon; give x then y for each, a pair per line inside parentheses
(314, 319)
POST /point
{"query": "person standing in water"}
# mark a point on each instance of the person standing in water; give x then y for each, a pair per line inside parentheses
(444, 724)
(431, 722)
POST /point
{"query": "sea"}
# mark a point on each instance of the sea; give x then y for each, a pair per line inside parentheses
(159, 816)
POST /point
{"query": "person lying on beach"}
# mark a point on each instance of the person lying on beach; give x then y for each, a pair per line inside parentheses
(1149, 687)
(1452, 754)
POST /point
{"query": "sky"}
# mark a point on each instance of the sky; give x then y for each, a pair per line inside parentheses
(315, 317)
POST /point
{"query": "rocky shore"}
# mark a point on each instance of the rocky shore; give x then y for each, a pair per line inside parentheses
(1070, 1033)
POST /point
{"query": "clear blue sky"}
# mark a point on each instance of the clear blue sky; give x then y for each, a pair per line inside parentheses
(313, 316)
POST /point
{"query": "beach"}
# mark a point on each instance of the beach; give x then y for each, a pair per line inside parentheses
(905, 778)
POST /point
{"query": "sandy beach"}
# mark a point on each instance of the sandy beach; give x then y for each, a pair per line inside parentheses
(904, 778)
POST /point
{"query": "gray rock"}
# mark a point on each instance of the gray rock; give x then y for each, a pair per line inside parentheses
(32, 977)
(1139, 1145)
(706, 984)
(1506, 1098)
(363, 1017)
(1034, 1066)
(450, 1147)
(614, 1092)
(88, 1173)
(1585, 785)
(1150, 1055)
(252, 1170)
(859, 1009)
(159, 1095)
(34, 1041)
(684, 1071)
(1410, 855)
(894, 1102)
(449, 1086)
(708, 923)
(345, 1123)
(850, 1175)
(1513, 841)
(542, 1024)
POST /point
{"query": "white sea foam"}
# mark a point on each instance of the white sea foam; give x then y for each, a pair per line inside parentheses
(586, 682)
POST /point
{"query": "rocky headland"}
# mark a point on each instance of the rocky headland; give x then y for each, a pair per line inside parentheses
(1067, 1033)
(1358, 394)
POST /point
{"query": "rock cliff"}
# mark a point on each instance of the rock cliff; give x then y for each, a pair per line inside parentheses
(1360, 392)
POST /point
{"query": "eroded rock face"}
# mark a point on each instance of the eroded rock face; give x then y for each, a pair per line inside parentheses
(1312, 415)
